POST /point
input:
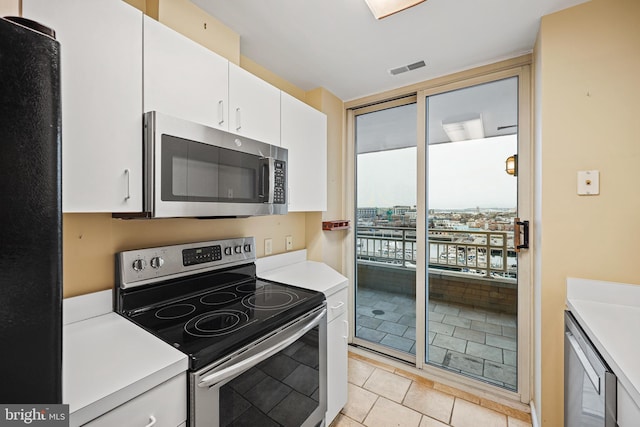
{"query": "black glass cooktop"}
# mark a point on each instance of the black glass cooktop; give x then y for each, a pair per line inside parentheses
(212, 324)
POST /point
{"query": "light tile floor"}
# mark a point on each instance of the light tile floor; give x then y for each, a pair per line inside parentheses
(475, 342)
(383, 396)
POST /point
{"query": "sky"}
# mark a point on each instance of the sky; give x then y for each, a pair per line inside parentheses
(465, 174)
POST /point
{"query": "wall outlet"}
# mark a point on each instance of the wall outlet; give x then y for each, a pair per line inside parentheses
(289, 243)
(589, 183)
(268, 246)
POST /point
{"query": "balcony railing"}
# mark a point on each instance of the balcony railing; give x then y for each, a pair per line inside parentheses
(478, 253)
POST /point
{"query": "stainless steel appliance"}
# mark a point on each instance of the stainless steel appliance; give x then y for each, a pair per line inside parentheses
(31, 214)
(193, 170)
(589, 384)
(257, 349)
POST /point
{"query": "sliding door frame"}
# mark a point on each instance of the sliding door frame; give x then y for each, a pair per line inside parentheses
(516, 67)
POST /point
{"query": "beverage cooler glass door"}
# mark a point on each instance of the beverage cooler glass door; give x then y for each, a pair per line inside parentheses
(589, 384)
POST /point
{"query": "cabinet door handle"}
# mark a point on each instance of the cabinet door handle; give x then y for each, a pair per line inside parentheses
(152, 421)
(335, 307)
(346, 329)
(128, 196)
(238, 119)
(221, 112)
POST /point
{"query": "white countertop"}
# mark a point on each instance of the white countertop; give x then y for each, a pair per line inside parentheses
(610, 315)
(108, 360)
(297, 271)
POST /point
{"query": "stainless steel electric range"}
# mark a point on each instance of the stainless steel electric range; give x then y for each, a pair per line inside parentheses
(257, 349)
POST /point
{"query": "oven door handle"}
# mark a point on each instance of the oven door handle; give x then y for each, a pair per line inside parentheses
(231, 371)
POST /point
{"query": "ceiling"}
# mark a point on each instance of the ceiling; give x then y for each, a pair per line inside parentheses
(339, 45)
(495, 103)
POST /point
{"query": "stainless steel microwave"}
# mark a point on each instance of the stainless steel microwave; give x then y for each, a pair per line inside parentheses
(191, 170)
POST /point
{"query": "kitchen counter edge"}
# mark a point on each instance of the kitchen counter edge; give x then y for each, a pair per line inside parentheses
(606, 311)
(108, 360)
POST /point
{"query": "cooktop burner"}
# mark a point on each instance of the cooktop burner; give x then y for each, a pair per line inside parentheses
(204, 298)
(209, 325)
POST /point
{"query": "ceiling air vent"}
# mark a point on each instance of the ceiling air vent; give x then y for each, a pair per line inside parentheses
(405, 68)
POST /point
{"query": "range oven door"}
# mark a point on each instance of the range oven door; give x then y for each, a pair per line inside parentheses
(589, 384)
(280, 380)
(192, 170)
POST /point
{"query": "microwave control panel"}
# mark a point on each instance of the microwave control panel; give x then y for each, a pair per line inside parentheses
(280, 182)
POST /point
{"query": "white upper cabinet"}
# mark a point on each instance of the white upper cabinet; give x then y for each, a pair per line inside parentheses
(184, 79)
(254, 106)
(101, 83)
(304, 134)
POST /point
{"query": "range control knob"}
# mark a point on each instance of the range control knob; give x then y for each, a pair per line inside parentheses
(247, 247)
(228, 250)
(139, 264)
(157, 262)
(238, 249)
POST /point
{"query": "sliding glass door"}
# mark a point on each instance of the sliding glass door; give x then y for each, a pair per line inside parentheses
(472, 206)
(386, 228)
(440, 268)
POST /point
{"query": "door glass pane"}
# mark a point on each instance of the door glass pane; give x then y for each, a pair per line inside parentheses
(386, 229)
(472, 204)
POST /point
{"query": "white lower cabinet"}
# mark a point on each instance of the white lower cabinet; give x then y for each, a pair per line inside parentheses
(628, 410)
(337, 360)
(162, 406)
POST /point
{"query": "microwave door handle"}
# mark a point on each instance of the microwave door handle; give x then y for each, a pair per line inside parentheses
(267, 171)
(264, 180)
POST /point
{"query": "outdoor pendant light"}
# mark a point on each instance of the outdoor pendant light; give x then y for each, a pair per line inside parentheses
(511, 165)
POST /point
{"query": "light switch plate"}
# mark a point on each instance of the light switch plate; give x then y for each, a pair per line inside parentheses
(268, 246)
(289, 242)
(589, 183)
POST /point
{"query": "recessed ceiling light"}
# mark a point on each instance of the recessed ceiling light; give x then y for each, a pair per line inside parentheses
(383, 8)
(464, 129)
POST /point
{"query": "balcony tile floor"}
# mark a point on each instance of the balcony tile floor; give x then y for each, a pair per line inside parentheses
(472, 341)
(381, 395)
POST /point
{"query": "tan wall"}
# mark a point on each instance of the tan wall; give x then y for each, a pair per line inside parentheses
(272, 78)
(9, 8)
(191, 21)
(91, 240)
(590, 68)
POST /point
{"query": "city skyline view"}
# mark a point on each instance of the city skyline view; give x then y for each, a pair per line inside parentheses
(464, 174)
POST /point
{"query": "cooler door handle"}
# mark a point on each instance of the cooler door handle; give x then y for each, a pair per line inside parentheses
(588, 369)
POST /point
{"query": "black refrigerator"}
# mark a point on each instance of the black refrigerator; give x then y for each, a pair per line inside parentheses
(30, 214)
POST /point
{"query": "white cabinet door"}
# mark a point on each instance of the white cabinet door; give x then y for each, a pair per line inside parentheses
(254, 106)
(184, 79)
(304, 134)
(101, 83)
(337, 361)
(162, 406)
